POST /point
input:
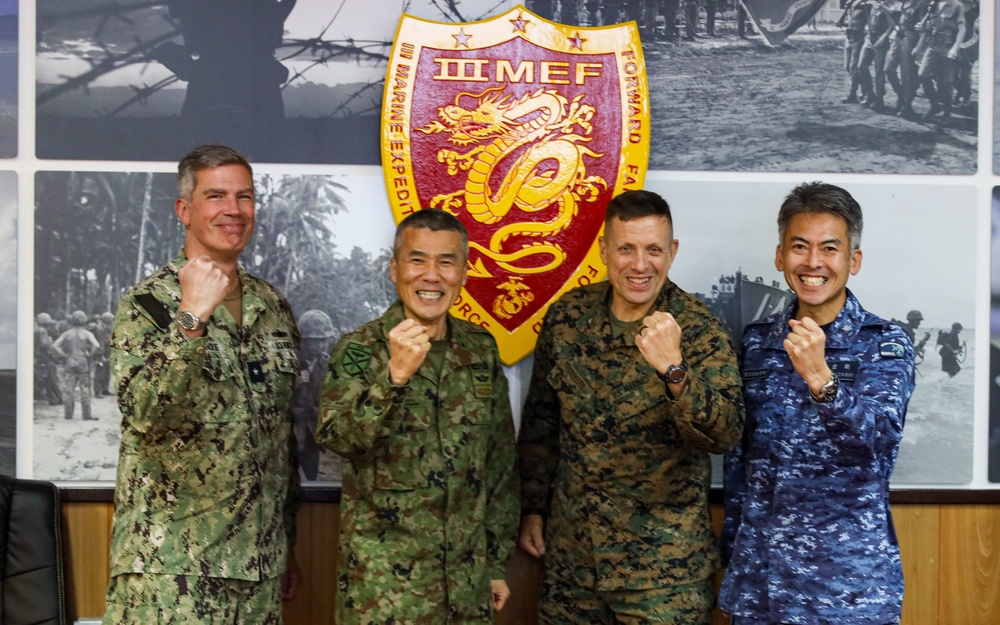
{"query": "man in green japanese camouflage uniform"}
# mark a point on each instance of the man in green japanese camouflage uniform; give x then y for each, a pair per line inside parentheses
(203, 358)
(634, 383)
(417, 404)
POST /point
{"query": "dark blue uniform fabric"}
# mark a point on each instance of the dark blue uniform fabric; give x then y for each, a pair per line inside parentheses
(808, 533)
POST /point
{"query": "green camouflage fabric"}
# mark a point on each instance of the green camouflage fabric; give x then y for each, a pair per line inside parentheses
(429, 508)
(141, 599)
(207, 478)
(618, 466)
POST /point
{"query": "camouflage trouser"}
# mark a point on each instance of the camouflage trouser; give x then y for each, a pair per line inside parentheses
(72, 380)
(141, 599)
(684, 604)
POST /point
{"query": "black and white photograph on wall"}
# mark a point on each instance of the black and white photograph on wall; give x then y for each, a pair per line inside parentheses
(994, 384)
(292, 81)
(8, 78)
(323, 241)
(728, 236)
(8, 322)
(996, 95)
(860, 86)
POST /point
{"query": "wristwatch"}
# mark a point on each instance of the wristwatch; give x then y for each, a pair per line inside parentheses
(189, 321)
(828, 392)
(675, 373)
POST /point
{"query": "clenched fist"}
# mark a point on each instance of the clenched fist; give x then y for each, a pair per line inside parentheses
(408, 346)
(203, 285)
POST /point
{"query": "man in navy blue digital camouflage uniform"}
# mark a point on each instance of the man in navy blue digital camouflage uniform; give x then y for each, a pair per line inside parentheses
(808, 533)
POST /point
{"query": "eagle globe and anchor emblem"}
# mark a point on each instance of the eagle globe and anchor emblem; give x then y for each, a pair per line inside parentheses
(524, 129)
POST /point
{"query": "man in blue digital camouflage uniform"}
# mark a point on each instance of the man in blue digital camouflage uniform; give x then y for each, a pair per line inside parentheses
(634, 383)
(203, 358)
(808, 532)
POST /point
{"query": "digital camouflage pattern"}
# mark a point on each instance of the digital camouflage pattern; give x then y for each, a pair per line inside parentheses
(808, 531)
(207, 482)
(141, 599)
(429, 507)
(619, 467)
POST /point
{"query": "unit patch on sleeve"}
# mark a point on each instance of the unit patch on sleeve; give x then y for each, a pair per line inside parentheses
(356, 358)
(891, 349)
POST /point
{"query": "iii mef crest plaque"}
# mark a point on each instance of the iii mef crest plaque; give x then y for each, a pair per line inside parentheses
(524, 129)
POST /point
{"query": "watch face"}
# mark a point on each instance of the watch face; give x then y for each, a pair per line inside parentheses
(676, 374)
(187, 320)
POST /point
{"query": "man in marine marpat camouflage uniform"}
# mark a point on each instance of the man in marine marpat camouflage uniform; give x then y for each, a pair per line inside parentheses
(417, 404)
(203, 358)
(634, 383)
(808, 532)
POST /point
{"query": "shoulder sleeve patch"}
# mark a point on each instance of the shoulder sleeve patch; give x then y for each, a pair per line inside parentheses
(356, 358)
(891, 349)
(157, 311)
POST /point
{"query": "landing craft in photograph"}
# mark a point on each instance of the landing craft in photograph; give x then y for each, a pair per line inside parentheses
(524, 129)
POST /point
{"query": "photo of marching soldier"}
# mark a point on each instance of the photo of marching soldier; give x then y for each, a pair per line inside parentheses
(99, 233)
(865, 86)
(729, 268)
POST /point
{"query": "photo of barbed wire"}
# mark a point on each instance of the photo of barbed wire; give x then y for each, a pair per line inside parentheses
(296, 81)
(8, 322)
(727, 260)
(323, 241)
(861, 86)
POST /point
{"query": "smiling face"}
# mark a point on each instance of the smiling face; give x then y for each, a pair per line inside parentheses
(816, 258)
(219, 216)
(638, 254)
(429, 272)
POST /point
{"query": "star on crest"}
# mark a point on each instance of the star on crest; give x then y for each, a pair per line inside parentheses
(520, 23)
(577, 41)
(462, 39)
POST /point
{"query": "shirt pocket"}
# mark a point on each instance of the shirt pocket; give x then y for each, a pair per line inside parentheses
(402, 464)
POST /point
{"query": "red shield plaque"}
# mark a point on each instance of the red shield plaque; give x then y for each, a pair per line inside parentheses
(524, 129)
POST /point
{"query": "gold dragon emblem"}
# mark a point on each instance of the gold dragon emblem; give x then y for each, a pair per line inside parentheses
(551, 133)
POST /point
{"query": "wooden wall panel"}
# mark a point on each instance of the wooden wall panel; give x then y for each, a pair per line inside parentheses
(951, 561)
(970, 565)
(917, 528)
(87, 543)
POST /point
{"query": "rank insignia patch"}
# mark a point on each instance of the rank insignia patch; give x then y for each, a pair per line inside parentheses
(524, 129)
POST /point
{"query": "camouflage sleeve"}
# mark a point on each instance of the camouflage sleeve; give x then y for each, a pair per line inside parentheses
(866, 418)
(501, 520)
(538, 442)
(360, 407)
(154, 368)
(709, 413)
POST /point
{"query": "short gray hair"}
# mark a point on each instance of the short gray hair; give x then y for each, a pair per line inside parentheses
(204, 157)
